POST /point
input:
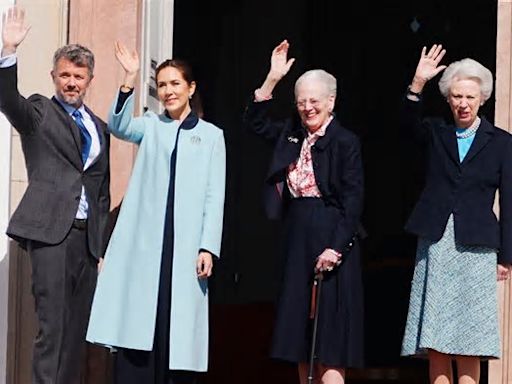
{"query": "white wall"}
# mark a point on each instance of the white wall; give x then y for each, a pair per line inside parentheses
(5, 156)
(157, 27)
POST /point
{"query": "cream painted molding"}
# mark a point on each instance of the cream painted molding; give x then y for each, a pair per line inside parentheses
(500, 371)
(63, 26)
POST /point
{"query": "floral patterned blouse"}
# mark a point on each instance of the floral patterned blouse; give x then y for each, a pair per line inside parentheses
(301, 178)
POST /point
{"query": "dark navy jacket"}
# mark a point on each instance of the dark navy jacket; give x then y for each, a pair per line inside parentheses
(465, 189)
(336, 163)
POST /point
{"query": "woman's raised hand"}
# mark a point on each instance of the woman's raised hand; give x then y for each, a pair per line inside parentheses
(428, 65)
(279, 62)
(129, 60)
(279, 66)
(14, 29)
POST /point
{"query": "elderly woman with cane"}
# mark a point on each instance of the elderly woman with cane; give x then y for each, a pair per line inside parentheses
(463, 249)
(316, 179)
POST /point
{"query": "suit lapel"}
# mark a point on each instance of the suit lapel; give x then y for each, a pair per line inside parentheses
(324, 140)
(287, 152)
(101, 134)
(294, 142)
(482, 137)
(449, 140)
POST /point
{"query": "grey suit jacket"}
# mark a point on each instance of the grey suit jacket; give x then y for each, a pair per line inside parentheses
(51, 144)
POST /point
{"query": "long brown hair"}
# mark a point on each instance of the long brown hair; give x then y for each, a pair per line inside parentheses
(186, 72)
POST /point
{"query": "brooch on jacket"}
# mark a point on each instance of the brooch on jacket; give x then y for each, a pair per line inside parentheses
(292, 139)
(195, 139)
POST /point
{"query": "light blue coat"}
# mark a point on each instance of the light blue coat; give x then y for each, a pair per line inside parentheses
(124, 308)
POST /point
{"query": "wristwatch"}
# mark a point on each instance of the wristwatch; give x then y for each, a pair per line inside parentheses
(412, 93)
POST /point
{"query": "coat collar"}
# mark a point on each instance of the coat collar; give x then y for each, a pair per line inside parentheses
(330, 132)
(483, 134)
(482, 137)
(298, 134)
(449, 139)
(101, 129)
(189, 123)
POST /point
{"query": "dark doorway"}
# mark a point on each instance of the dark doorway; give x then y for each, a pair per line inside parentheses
(372, 48)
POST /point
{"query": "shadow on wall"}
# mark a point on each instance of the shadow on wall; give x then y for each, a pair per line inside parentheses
(22, 325)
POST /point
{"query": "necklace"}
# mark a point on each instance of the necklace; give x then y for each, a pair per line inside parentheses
(470, 131)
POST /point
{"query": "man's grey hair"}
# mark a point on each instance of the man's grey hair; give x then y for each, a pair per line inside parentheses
(321, 76)
(77, 54)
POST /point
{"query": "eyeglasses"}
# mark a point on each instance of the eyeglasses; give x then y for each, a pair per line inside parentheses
(301, 104)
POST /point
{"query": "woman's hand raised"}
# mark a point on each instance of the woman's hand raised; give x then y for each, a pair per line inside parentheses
(428, 65)
(279, 62)
(130, 62)
(279, 67)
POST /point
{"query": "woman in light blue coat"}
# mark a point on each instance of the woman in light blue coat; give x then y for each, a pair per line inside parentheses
(151, 302)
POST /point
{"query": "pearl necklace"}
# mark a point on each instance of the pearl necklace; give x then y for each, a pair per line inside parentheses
(470, 131)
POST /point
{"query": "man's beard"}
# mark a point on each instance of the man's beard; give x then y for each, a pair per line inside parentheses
(75, 101)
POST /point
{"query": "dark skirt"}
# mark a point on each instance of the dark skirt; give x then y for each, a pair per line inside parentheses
(309, 227)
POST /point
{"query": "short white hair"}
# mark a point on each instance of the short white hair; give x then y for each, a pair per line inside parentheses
(321, 76)
(467, 69)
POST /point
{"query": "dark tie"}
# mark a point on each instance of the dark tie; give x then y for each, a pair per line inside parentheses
(86, 136)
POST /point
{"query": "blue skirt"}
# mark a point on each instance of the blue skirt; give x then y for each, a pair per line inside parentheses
(453, 306)
(310, 225)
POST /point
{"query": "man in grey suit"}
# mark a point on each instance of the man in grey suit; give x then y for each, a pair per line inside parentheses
(62, 217)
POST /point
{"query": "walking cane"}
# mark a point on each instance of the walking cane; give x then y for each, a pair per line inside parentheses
(315, 305)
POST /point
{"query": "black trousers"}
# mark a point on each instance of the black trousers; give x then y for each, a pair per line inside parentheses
(63, 282)
(139, 367)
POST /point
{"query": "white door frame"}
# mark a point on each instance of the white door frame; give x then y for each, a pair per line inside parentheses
(157, 39)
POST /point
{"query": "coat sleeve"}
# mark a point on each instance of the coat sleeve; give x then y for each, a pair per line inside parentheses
(123, 125)
(505, 200)
(352, 194)
(412, 124)
(257, 120)
(213, 214)
(24, 115)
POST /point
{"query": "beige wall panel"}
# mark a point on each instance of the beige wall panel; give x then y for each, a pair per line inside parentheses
(48, 32)
(98, 24)
(500, 371)
(17, 190)
(504, 65)
(18, 169)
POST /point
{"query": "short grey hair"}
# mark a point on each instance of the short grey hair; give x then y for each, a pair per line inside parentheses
(467, 69)
(321, 76)
(77, 54)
